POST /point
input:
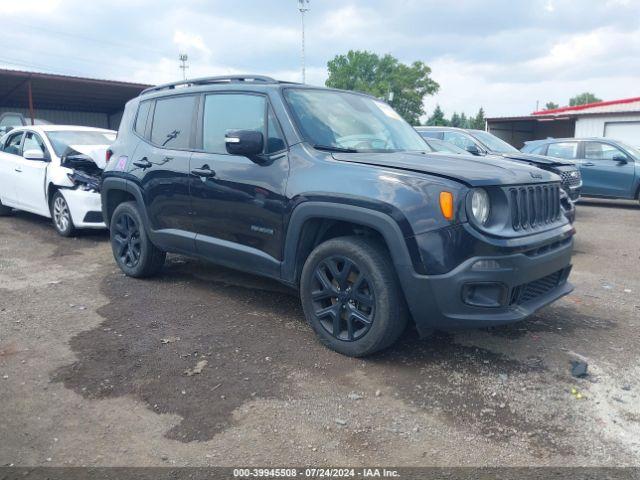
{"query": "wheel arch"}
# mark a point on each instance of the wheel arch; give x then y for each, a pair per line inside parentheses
(114, 192)
(311, 223)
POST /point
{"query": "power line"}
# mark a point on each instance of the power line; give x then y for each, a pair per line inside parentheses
(90, 39)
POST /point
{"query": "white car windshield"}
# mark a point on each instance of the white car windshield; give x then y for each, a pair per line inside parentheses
(350, 122)
(63, 139)
(493, 143)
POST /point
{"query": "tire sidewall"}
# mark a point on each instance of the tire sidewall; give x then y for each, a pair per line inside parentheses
(145, 244)
(70, 228)
(386, 307)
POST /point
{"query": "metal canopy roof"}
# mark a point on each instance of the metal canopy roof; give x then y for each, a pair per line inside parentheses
(61, 92)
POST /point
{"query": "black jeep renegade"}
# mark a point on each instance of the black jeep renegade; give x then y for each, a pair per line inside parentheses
(332, 193)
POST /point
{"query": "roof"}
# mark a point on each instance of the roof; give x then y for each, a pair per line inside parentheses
(63, 92)
(612, 106)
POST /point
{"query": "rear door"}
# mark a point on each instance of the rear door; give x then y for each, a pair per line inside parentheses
(10, 168)
(30, 181)
(161, 165)
(239, 206)
(609, 170)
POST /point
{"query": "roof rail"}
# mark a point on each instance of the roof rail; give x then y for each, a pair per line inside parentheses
(213, 80)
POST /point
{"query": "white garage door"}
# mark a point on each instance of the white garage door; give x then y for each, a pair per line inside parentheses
(628, 132)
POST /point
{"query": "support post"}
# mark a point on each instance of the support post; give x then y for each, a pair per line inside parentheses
(31, 103)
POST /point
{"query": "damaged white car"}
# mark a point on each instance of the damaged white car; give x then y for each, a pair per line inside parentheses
(54, 171)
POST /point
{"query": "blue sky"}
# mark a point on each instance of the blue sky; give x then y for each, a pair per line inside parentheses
(502, 55)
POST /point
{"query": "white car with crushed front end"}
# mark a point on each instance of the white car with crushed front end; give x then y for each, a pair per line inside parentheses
(54, 171)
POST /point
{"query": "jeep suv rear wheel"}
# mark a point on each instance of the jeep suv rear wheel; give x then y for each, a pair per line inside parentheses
(134, 253)
(351, 296)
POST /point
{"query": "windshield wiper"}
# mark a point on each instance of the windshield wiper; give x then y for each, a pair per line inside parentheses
(330, 148)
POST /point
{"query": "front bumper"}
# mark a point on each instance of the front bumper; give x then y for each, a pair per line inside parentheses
(471, 297)
(85, 208)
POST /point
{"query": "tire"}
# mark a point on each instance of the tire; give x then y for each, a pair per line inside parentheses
(4, 211)
(61, 215)
(352, 279)
(132, 249)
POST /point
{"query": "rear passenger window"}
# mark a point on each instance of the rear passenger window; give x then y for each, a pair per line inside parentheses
(228, 112)
(172, 122)
(566, 150)
(141, 118)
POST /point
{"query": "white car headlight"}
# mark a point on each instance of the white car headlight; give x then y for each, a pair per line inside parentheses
(480, 205)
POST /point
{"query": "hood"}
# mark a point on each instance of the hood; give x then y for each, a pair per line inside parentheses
(473, 171)
(536, 159)
(97, 153)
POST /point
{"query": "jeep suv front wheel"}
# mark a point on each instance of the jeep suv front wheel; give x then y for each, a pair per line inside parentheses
(351, 296)
(132, 249)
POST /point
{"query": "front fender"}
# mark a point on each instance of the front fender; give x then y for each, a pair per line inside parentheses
(401, 249)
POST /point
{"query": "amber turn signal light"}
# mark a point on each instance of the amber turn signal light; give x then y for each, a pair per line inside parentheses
(446, 205)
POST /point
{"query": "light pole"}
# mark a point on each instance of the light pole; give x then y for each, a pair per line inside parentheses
(303, 6)
(183, 65)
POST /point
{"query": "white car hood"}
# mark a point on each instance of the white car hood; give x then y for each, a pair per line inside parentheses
(97, 153)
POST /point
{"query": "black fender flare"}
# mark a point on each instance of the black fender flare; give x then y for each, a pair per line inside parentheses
(110, 184)
(379, 221)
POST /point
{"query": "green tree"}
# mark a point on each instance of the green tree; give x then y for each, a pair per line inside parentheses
(478, 122)
(551, 106)
(384, 77)
(455, 120)
(583, 99)
(437, 118)
(464, 121)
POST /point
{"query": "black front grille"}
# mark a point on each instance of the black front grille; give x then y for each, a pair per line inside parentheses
(532, 290)
(534, 206)
(571, 178)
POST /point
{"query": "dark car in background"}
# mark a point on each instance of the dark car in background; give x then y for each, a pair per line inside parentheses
(480, 143)
(610, 168)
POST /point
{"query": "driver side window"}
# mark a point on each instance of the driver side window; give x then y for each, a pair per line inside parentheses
(12, 145)
(601, 151)
(33, 142)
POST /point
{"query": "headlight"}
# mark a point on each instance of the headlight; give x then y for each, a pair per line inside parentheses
(480, 205)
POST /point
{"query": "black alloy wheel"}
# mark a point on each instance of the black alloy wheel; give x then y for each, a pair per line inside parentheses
(343, 298)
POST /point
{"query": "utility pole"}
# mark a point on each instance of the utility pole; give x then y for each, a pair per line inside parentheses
(183, 65)
(303, 6)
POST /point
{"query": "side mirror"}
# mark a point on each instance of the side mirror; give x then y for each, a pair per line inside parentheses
(247, 143)
(473, 150)
(621, 159)
(34, 155)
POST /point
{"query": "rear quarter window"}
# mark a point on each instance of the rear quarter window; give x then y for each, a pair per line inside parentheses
(141, 117)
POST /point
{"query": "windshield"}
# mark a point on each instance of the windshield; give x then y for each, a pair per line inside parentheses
(442, 146)
(632, 150)
(62, 140)
(493, 143)
(350, 122)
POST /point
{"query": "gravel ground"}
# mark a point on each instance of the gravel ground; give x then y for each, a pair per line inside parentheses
(206, 366)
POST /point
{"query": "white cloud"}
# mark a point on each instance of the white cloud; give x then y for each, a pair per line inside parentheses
(187, 41)
(32, 7)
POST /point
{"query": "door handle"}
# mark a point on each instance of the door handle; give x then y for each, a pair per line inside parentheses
(588, 164)
(18, 170)
(205, 171)
(143, 163)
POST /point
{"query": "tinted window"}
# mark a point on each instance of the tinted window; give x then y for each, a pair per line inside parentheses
(13, 144)
(141, 118)
(459, 139)
(601, 151)
(33, 141)
(275, 139)
(539, 150)
(228, 112)
(430, 134)
(562, 150)
(172, 122)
